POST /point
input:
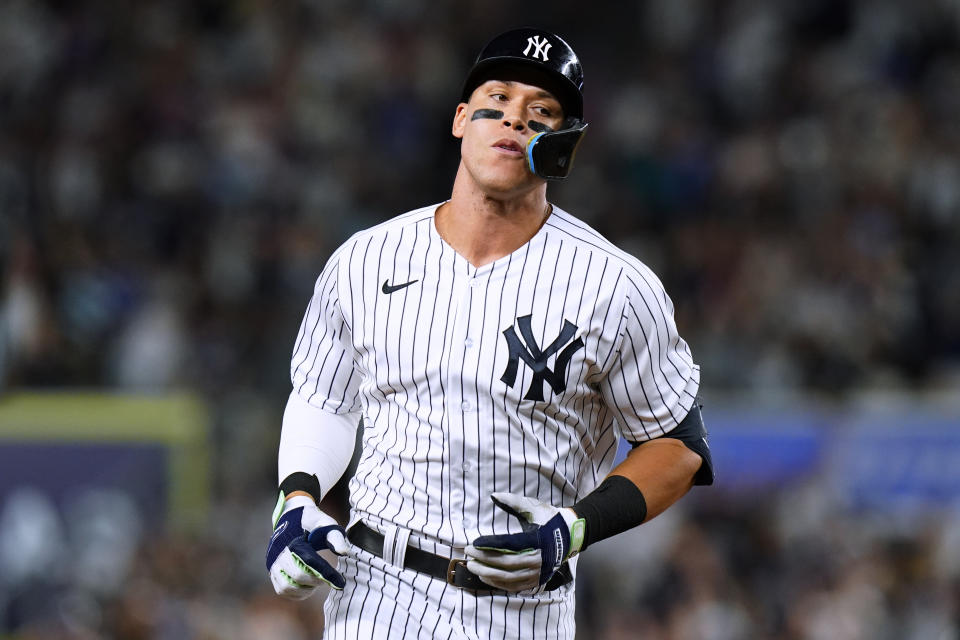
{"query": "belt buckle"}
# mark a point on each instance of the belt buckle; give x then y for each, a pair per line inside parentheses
(452, 569)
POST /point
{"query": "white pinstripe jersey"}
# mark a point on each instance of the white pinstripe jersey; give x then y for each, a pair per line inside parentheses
(516, 376)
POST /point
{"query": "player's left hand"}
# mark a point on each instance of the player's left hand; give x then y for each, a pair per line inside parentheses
(520, 561)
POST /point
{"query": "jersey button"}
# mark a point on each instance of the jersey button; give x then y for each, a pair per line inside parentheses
(466, 406)
(468, 343)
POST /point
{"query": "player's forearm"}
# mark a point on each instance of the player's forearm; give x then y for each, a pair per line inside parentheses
(655, 475)
(315, 442)
(663, 471)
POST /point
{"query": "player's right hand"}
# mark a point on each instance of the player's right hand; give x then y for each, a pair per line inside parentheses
(301, 530)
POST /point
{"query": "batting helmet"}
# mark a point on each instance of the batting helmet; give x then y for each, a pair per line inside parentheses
(540, 57)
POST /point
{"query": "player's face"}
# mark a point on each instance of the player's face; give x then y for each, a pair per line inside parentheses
(495, 126)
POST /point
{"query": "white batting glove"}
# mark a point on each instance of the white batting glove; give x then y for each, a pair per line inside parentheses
(300, 531)
(520, 561)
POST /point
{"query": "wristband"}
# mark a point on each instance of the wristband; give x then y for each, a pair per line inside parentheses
(614, 507)
(301, 481)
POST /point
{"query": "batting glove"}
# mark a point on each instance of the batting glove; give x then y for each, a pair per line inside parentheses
(520, 561)
(300, 531)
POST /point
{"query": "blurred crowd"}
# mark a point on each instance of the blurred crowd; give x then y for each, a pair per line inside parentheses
(174, 174)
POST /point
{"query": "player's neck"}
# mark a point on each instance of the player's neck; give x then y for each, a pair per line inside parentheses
(483, 229)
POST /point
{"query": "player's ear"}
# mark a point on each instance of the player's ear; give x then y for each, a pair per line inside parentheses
(460, 120)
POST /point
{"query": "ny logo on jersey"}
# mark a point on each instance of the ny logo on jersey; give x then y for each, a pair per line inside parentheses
(536, 359)
(540, 47)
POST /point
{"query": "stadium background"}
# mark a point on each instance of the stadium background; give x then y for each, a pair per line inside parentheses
(174, 174)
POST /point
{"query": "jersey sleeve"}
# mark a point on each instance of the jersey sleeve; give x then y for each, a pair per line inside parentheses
(322, 367)
(652, 382)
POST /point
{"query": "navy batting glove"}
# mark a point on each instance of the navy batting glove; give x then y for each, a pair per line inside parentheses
(520, 561)
(300, 531)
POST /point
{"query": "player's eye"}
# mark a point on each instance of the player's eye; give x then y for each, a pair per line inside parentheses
(499, 97)
(543, 111)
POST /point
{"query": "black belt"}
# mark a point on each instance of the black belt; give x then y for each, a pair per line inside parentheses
(452, 570)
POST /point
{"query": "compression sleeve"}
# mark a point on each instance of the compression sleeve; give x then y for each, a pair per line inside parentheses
(316, 442)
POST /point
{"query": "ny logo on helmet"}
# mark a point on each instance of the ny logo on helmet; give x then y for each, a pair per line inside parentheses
(540, 47)
(537, 360)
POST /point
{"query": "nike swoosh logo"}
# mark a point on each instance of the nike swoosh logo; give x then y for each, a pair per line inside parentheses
(390, 288)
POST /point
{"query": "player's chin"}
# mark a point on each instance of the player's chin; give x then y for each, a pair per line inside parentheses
(509, 180)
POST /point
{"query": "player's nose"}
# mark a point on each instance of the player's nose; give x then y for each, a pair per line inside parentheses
(514, 123)
(512, 119)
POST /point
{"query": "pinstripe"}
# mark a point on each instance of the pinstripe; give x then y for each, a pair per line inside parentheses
(559, 407)
(463, 445)
(377, 302)
(511, 465)
(337, 599)
(504, 625)
(361, 610)
(660, 352)
(445, 470)
(367, 318)
(532, 431)
(669, 352)
(480, 349)
(378, 600)
(656, 351)
(521, 632)
(303, 334)
(347, 282)
(333, 377)
(393, 613)
(442, 430)
(493, 435)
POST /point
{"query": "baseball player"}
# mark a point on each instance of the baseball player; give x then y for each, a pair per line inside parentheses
(495, 349)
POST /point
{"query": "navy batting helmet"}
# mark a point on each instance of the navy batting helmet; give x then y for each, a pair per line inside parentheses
(536, 57)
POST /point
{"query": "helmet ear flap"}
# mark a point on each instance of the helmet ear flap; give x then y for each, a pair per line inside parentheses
(550, 153)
